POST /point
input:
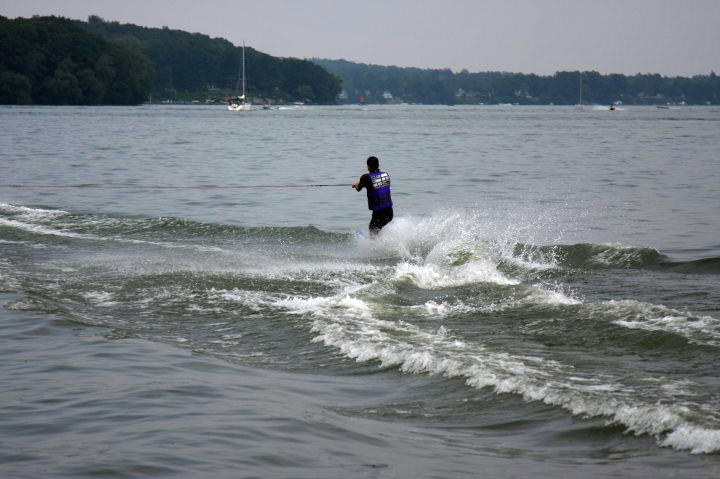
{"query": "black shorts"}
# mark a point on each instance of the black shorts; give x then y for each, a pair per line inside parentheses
(380, 218)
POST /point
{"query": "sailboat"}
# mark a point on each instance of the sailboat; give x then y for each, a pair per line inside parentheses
(579, 105)
(240, 103)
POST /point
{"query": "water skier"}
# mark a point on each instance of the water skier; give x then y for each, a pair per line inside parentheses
(377, 184)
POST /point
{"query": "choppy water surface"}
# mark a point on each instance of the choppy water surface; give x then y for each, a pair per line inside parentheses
(546, 302)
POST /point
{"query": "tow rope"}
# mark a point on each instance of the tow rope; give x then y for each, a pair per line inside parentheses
(148, 187)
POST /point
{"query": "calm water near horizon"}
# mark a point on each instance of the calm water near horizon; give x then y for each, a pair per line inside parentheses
(546, 302)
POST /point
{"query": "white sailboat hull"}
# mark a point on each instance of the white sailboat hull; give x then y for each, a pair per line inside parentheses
(240, 107)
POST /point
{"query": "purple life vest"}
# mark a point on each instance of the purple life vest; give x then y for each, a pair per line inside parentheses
(379, 194)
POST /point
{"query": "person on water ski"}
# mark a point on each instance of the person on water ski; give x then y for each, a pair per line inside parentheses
(377, 184)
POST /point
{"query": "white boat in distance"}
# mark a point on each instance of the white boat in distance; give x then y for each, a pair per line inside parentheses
(240, 103)
(579, 104)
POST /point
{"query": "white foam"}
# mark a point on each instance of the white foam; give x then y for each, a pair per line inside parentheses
(696, 439)
(616, 255)
(444, 254)
(432, 276)
(33, 228)
(252, 299)
(101, 298)
(2, 241)
(438, 310)
(549, 296)
(40, 229)
(349, 324)
(25, 304)
(638, 315)
(546, 263)
(37, 213)
(444, 250)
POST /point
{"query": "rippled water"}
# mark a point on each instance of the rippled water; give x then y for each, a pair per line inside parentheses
(545, 303)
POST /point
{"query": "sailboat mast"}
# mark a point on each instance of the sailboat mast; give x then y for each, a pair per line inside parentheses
(580, 101)
(243, 70)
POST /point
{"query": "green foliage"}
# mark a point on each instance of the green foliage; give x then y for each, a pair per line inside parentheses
(15, 89)
(192, 62)
(49, 60)
(414, 85)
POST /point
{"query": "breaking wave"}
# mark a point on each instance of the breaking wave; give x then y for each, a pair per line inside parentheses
(441, 295)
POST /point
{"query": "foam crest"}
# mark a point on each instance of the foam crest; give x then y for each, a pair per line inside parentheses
(60, 232)
(445, 308)
(638, 315)
(586, 255)
(413, 238)
(443, 250)
(38, 229)
(349, 324)
(697, 440)
(101, 298)
(433, 276)
(460, 247)
(617, 255)
(30, 213)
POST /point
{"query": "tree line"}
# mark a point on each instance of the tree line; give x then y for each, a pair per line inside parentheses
(49, 60)
(54, 60)
(58, 61)
(194, 62)
(384, 84)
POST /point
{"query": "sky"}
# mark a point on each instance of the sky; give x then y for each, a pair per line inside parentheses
(670, 37)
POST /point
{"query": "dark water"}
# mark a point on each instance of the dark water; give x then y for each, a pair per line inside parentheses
(545, 303)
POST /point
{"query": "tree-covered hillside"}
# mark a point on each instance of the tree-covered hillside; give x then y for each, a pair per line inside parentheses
(193, 62)
(383, 84)
(58, 61)
(50, 60)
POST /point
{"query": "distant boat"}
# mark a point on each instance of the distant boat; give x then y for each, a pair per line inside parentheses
(579, 105)
(240, 103)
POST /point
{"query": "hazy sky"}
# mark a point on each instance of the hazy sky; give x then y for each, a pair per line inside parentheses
(670, 37)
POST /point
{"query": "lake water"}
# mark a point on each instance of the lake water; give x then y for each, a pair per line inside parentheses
(546, 302)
